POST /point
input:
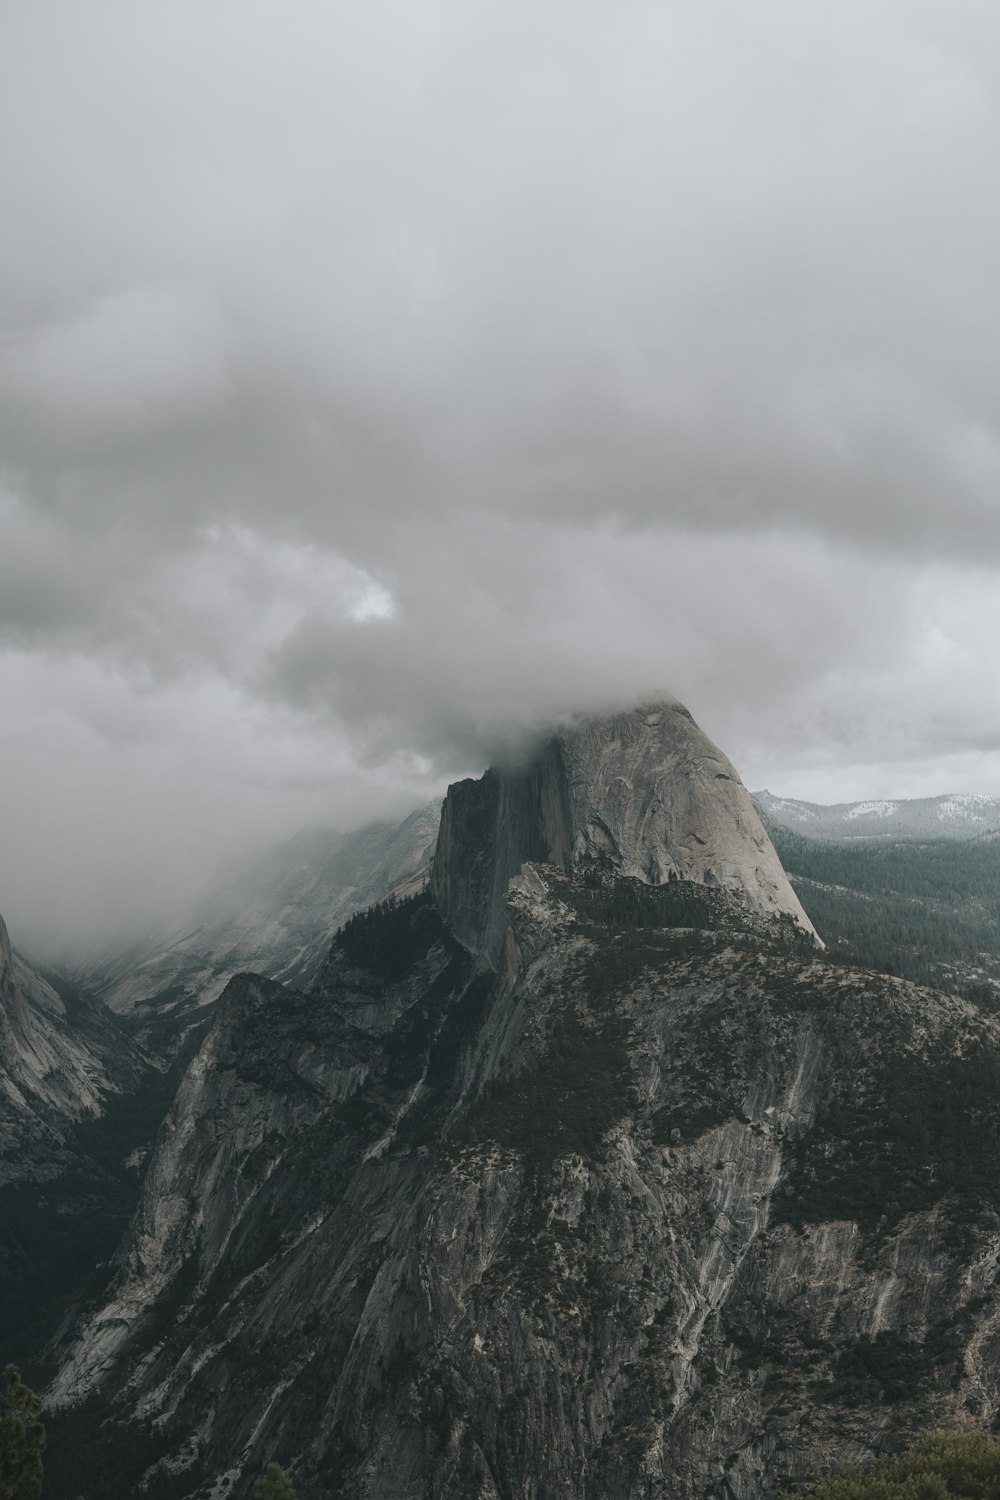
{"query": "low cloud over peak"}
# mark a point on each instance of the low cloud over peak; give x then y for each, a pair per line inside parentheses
(375, 387)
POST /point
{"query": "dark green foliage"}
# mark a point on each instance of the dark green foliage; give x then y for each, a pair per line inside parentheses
(622, 903)
(567, 1102)
(391, 936)
(273, 1484)
(888, 1369)
(925, 911)
(83, 1454)
(986, 997)
(963, 1465)
(920, 1132)
(22, 1438)
(621, 959)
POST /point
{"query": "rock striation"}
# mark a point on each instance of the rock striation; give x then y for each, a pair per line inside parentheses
(274, 916)
(541, 1191)
(54, 1066)
(89, 1063)
(644, 795)
(66, 1068)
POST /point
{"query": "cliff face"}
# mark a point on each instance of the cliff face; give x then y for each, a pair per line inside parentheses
(66, 1070)
(13, 1019)
(276, 917)
(635, 1209)
(84, 1087)
(644, 794)
(55, 1066)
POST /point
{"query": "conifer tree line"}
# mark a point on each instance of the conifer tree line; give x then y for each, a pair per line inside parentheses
(22, 1439)
(22, 1443)
(940, 1466)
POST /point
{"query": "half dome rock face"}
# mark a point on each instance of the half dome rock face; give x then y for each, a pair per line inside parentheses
(643, 794)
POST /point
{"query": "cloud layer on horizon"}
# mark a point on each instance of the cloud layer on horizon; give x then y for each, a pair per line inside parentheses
(376, 385)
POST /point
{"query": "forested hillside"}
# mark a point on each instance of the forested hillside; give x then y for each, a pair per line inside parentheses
(926, 910)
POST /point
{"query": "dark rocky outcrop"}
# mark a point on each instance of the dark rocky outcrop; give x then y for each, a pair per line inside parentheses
(87, 1075)
(61, 1055)
(76, 1097)
(577, 1200)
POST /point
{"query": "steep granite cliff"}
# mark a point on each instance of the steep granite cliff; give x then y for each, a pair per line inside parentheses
(68, 1075)
(58, 1061)
(644, 794)
(654, 1202)
(87, 1074)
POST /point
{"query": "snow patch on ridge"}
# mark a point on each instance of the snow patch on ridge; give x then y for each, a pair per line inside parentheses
(964, 804)
(876, 809)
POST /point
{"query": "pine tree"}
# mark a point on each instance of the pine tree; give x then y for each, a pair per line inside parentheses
(941, 1466)
(22, 1438)
(274, 1484)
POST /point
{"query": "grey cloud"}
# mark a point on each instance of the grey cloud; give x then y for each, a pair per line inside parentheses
(624, 348)
(516, 625)
(670, 265)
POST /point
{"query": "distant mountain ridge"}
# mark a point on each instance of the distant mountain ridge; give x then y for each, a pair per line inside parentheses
(956, 815)
(275, 917)
(911, 887)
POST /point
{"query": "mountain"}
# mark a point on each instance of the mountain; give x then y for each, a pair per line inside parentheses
(570, 1178)
(68, 1075)
(90, 1062)
(645, 794)
(925, 908)
(61, 1057)
(961, 815)
(275, 916)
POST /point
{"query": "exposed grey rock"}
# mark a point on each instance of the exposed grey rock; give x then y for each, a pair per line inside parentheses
(629, 1210)
(276, 916)
(83, 1090)
(55, 1068)
(66, 1067)
(629, 1219)
(644, 794)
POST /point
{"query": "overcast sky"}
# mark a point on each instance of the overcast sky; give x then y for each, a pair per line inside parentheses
(378, 381)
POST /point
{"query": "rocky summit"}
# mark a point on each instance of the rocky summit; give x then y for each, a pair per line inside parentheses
(645, 795)
(582, 1172)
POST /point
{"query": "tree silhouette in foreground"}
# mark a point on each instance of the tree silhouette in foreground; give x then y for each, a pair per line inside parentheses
(22, 1438)
(941, 1466)
(274, 1484)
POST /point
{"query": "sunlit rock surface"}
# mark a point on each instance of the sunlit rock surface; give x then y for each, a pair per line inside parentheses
(644, 794)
